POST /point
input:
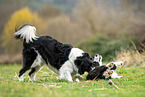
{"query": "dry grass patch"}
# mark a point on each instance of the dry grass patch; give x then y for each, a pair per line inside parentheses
(131, 57)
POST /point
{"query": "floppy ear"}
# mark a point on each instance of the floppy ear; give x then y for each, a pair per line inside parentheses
(79, 63)
(86, 55)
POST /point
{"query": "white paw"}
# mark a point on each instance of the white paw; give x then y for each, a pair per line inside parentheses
(100, 59)
(77, 80)
(96, 58)
(115, 75)
(110, 65)
(32, 79)
(119, 77)
(21, 79)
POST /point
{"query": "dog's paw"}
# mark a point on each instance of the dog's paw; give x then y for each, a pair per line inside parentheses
(115, 75)
(21, 79)
(77, 80)
(110, 65)
(96, 58)
(119, 63)
(100, 58)
(119, 77)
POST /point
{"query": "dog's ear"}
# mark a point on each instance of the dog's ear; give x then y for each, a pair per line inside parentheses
(87, 55)
(79, 63)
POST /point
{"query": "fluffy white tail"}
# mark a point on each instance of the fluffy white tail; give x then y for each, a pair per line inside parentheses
(27, 33)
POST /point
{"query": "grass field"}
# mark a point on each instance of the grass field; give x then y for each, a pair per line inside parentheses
(47, 84)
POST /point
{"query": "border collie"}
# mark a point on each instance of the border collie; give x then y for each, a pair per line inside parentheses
(103, 71)
(63, 59)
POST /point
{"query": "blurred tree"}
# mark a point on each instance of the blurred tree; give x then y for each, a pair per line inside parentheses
(49, 11)
(17, 19)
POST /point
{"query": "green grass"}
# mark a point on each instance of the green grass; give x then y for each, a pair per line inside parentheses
(47, 84)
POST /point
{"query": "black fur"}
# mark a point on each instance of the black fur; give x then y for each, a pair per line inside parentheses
(97, 73)
(32, 71)
(51, 50)
(96, 63)
(114, 67)
(29, 55)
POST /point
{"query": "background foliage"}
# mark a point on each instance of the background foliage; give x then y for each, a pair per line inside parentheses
(103, 27)
(105, 45)
(17, 19)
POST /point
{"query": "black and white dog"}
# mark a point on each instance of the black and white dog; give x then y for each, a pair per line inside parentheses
(63, 59)
(103, 71)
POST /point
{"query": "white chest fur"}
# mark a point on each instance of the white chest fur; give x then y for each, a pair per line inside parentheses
(69, 68)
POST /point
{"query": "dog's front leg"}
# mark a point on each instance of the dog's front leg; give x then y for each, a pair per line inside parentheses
(66, 75)
(77, 77)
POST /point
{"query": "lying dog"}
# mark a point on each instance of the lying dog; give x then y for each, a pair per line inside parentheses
(63, 59)
(103, 71)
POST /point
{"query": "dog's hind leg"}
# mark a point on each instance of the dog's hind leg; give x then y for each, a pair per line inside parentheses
(29, 55)
(22, 72)
(37, 64)
(33, 72)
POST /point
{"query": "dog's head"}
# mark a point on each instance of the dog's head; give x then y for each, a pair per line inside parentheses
(84, 63)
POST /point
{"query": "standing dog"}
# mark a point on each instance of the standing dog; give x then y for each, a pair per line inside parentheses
(63, 59)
